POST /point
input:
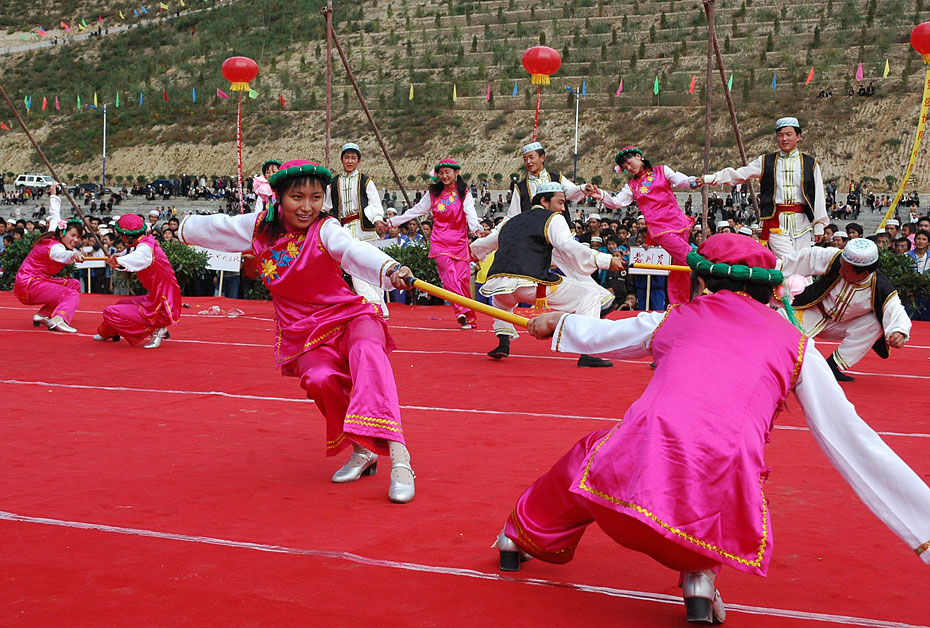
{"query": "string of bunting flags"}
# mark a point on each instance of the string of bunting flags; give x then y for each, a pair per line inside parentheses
(138, 12)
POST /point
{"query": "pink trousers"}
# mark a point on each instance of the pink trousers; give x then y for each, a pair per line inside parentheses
(133, 319)
(455, 275)
(549, 519)
(56, 295)
(679, 283)
(352, 382)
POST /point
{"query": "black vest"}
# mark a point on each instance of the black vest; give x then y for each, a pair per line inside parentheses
(526, 201)
(767, 185)
(882, 290)
(523, 248)
(361, 194)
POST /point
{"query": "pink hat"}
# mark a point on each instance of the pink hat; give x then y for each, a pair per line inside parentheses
(732, 248)
(131, 225)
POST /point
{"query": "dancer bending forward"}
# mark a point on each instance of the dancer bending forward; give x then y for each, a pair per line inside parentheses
(335, 341)
(679, 477)
(36, 283)
(150, 314)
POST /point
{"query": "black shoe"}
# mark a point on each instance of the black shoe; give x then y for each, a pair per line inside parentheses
(652, 365)
(610, 308)
(591, 361)
(837, 373)
(502, 350)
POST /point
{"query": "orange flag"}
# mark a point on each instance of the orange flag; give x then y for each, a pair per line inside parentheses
(164, 94)
(281, 100)
(691, 89)
(44, 103)
(4, 127)
(810, 76)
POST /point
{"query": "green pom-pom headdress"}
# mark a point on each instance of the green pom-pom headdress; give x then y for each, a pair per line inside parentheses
(293, 169)
(270, 162)
(624, 152)
(753, 274)
(63, 225)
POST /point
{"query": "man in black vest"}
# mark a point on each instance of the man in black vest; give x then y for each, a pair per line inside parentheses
(853, 302)
(353, 199)
(792, 200)
(521, 271)
(534, 159)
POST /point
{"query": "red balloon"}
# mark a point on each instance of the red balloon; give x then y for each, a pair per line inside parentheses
(541, 62)
(239, 71)
(920, 39)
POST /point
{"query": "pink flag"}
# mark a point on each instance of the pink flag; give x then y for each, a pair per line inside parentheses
(221, 93)
(810, 76)
(57, 104)
(44, 103)
(4, 127)
(693, 80)
(66, 27)
(489, 93)
(859, 74)
(620, 87)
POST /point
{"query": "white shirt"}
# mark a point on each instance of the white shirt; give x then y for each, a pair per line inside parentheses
(624, 197)
(348, 197)
(425, 205)
(139, 259)
(234, 234)
(572, 191)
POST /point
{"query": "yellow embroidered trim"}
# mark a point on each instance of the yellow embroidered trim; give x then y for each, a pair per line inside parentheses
(802, 346)
(763, 542)
(893, 294)
(390, 262)
(546, 228)
(558, 339)
(308, 344)
(827, 291)
(332, 444)
(373, 422)
(527, 277)
(527, 541)
(922, 548)
(371, 418)
(662, 322)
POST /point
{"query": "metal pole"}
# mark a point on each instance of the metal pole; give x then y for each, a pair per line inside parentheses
(104, 146)
(577, 100)
(35, 144)
(328, 13)
(709, 11)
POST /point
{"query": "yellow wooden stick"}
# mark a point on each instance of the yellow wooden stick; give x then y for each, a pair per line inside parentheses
(469, 303)
(95, 259)
(672, 267)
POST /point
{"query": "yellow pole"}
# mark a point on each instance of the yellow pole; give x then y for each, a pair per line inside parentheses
(469, 303)
(671, 267)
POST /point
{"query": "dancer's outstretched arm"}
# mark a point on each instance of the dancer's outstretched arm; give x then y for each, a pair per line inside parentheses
(572, 333)
(884, 482)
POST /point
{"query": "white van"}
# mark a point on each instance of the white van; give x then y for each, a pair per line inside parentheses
(33, 181)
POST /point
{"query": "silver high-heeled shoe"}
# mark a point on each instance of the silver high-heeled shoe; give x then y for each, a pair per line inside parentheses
(157, 336)
(510, 553)
(38, 319)
(702, 599)
(57, 323)
(401, 493)
(361, 463)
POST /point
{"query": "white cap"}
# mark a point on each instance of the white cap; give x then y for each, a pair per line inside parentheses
(783, 122)
(531, 147)
(841, 234)
(350, 146)
(893, 223)
(42, 222)
(597, 239)
(722, 223)
(549, 186)
(592, 217)
(640, 217)
(154, 212)
(745, 231)
(860, 252)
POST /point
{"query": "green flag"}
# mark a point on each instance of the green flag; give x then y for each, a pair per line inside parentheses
(730, 83)
(117, 99)
(83, 23)
(253, 94)
(655, 87)
(79, 101)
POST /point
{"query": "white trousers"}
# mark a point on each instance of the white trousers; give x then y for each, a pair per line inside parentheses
(569, 296)
(856, 336)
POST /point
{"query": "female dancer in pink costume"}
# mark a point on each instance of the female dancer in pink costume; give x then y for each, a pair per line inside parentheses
(36, 283)
(330, 338)
(453, 210)
(666, 225)
(260, 184)
(151, 314)
(680, 477)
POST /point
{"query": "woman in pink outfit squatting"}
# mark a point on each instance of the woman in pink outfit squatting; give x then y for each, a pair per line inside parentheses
(330, 338)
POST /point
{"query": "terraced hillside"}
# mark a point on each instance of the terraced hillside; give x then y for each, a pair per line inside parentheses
(471, 46)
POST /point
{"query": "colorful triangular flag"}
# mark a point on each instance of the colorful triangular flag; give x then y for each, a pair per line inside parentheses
(99, 19)
(136, 12)
(620, 87)
(23, 37)
(252, 94)
(44, 103)
(57, 104)
(774, 79)
(117, 100)
(455, 94)
(194, 94)
(66, 27)
(164, 94)
(143, 9)
(410, 97)
(95, 99)
(655, 87)
(221, 93)
(121, 16)
(887, 70)
(163, 6)
(488, 97)
(859, 74)
(182, 3)
(810, 76)
(693, 81)
(730, 83)
(140, 99)
(79, 101)
(83, 23)
(41, 31)
(4, 127)
(281, 100)
(514, 89)
(584, 88)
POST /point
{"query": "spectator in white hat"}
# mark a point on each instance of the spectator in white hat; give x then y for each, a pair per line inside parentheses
(792, 200)
(893, 228)
(853, 302)
(840, 238)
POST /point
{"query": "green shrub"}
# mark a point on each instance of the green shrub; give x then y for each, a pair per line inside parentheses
(417, 259)
(186, 261)
(13, 257)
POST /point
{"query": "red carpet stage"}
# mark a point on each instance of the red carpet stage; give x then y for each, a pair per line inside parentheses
(187, 486)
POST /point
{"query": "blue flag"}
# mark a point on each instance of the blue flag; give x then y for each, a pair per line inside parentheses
(774, 79)
(194, 94)
(142, 6)
(584, 88)
(136, 11)
(514, 89)
(140, 99)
